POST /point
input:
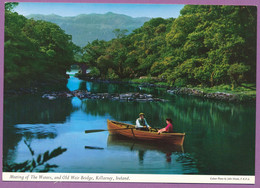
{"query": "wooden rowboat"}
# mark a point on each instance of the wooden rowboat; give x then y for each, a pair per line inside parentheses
(130, 131)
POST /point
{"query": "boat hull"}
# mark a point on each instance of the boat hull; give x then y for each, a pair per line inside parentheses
(129, 131)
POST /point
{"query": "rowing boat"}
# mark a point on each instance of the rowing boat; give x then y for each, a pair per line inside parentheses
(130, 131)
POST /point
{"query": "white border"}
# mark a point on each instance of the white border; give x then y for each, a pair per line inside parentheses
(138, 178)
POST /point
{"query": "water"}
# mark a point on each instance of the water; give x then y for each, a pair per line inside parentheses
(220, 136)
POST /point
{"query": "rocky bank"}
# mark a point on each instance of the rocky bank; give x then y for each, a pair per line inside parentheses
(111, 96)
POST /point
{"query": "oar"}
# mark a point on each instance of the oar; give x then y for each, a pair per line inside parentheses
(91, 147)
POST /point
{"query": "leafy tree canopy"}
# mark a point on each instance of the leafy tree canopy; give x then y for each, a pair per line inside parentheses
(206, 45)
(35, 51)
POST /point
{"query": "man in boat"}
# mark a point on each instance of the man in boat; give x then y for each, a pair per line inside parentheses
(141, 123)
(168, 128)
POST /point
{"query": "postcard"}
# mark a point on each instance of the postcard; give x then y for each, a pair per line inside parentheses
(101, 93)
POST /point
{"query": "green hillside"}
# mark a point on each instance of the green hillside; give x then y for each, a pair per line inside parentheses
(205, 46)
(85, 28)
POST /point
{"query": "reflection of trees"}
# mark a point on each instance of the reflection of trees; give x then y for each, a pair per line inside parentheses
(34, 109)
(102, 87)
(188, 114)
(30, 131)
(82, 85)
(122, 111)
(217, 132)
(30, 110)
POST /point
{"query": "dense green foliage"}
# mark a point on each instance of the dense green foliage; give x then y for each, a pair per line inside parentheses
(205, 45)
(10, 6)
(35, 51)
(86, 28)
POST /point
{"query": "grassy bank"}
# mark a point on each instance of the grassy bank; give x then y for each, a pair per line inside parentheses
(244, 92)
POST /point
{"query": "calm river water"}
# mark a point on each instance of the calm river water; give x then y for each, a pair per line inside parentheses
(220, 136)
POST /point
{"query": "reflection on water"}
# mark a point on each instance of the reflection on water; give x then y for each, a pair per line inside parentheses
(219, 135)
(150, 154)
(120, 142)
(30, 131)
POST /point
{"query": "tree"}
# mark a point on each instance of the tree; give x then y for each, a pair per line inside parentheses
(218, 34)
(10, 6)
(120, 33)
(237, 73)
(35, 51)
(206, 45)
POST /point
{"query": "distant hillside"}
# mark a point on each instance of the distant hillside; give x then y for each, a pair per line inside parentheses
(85, 28)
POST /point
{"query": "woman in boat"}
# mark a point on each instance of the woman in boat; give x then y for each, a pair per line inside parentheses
(141, 123)
(168, 128)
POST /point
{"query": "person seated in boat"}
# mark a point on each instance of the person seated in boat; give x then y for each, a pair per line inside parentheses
(168, 128)
(141, 123)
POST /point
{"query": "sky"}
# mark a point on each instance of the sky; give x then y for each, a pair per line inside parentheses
(74, 9)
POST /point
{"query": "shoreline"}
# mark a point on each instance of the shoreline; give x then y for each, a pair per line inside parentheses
(219, 95)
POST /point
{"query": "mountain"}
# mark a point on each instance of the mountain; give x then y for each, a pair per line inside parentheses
(85, 28)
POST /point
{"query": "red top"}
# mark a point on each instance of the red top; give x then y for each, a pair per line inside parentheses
(169, 128)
